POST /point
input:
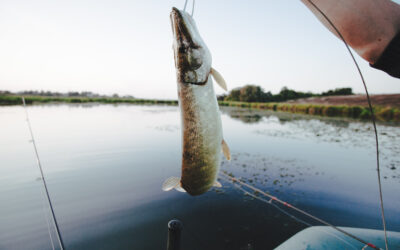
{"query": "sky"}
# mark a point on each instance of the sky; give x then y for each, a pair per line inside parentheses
(125, 47)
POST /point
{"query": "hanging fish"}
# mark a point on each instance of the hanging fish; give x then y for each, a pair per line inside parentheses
(201, 121)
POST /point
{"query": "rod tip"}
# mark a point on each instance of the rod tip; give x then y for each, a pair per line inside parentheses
(175, 224)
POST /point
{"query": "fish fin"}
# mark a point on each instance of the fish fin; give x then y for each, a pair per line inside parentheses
(180, 189)
(219, 79)
(170, 183)
(217, 184)
(225, 150)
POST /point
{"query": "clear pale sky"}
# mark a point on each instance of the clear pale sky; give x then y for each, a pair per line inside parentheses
(125, 47)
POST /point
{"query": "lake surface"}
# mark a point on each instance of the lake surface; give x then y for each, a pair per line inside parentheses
(105, 164)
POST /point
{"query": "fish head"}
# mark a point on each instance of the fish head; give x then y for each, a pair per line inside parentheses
(192, 57)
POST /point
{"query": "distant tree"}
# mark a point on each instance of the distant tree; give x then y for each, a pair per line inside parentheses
(50, 93)
(248, 93)
(221, 97)
(234, 95)
(289, 94)
(73, 94)
(268, 97)
(254, 93)
(86, 94)
(251, 93)
(338, 91)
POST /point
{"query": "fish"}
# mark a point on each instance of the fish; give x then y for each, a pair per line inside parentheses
(202, 140)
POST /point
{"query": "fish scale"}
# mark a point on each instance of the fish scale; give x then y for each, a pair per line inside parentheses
(202, 140)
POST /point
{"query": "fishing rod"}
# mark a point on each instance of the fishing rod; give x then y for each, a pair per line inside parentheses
(45, 213)
(274, 198)
(372, 119)
(43, 179)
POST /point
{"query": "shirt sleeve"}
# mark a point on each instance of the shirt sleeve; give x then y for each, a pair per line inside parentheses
(389, 61)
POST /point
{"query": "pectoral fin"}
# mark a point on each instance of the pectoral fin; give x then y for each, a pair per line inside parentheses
(180, 189)
(217, 184)
(225, 150)
(172, 182)
(219, 79)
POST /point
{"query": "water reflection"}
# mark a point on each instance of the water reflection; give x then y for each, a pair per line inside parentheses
(256, 116)
(105, 165)
(345, 132)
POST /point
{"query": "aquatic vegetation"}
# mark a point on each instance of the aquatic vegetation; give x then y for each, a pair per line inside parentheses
(357, 112)
(16, 100)
(365, 114)
(10, 100)
(396, 115)
(385, 114)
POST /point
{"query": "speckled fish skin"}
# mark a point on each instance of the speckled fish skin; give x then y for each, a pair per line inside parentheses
(200, 115)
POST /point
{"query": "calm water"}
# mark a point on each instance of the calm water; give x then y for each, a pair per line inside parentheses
(105, 165)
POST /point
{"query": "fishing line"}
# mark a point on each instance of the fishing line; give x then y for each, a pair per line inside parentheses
(372, 118)
(273, 198)
(45, 213)
(270, 202)
(289, 214)
(42, 175)
(184, 7)
(194, 1)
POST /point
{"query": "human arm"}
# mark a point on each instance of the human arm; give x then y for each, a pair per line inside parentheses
(368, 26)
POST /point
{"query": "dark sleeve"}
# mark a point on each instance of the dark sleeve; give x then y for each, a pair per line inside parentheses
(389, 61)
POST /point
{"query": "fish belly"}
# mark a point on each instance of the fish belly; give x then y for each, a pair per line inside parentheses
(202, 137)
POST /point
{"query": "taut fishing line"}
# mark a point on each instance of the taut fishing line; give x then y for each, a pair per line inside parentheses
(287, 213)
(194, 1)
(184, 7)
(45, 212)
(372, 118)
(273, 198)
(44, 181)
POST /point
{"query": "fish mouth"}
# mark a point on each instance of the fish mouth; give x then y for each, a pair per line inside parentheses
(182, 28)
(192, 57)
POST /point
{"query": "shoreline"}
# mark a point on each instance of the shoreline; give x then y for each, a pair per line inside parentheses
(386, 114)
(6, 100)
(382, 113)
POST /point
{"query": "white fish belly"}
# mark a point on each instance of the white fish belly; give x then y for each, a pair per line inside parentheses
(202, 136)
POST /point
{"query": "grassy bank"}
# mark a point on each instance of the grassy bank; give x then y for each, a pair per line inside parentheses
(357, 112)
(16, 100)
